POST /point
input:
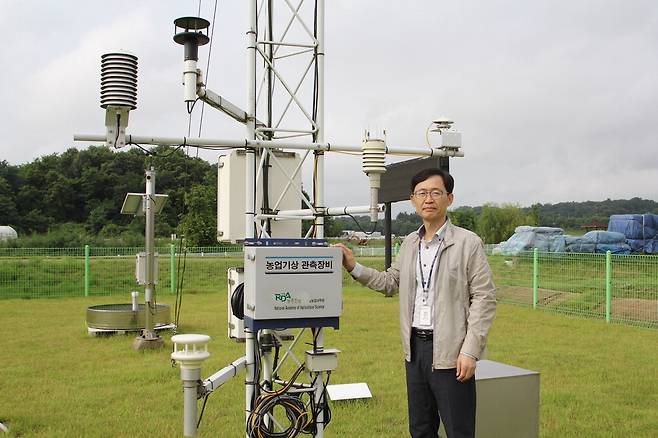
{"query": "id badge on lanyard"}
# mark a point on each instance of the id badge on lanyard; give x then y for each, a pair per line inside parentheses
(425, 311)
(425, 315)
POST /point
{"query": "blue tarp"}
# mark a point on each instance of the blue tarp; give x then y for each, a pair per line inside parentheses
(614, 248)
(547, 239)
(640, 230)
(526, 238)
(607, 237)
(648, 246)
(635, 226)
(598, 242)
(578, 244)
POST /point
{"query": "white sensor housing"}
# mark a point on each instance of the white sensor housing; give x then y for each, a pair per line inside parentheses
(118, 94)
(374, 164)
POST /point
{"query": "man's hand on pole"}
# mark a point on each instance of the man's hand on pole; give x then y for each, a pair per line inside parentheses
(348, 256)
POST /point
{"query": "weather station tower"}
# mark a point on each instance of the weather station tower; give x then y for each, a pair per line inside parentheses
(288, 290)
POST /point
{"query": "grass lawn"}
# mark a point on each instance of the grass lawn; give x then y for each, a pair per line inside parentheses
(597, 380)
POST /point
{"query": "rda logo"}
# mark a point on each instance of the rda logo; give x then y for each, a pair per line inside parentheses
(283, 297)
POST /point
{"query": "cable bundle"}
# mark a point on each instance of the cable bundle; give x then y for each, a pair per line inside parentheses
(293, 405)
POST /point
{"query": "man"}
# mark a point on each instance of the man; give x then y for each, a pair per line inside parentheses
(447, 305)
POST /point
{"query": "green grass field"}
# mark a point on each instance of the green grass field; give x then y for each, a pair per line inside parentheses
(597, 380)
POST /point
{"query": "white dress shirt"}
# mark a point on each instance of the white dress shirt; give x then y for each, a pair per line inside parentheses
(427, 252)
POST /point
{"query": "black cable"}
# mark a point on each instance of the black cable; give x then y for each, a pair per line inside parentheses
(190, 109)
(212, 34)
(275, 362)
(203, 408)
(293, 406)
(361, 228)
(317, 407)
(170, 153)
(147, 152)
(180, 275)
(315, 68)
(117, 136)
(150, 153)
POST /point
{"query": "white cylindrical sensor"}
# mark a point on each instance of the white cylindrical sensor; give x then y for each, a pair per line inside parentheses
(135, 304)
(190, 80)
(374, 164)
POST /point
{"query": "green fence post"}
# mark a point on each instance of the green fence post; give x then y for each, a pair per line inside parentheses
(86, 270)
(535, 277)
(172, 267)
(608, 285)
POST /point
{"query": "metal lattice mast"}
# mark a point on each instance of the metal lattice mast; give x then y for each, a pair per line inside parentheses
(264, 48)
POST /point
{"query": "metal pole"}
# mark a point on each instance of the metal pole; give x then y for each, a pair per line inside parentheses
(190, 377)
(149, 204)
(172, 268)
(87, 263)
(387, 237)
(148, 337)
(608, 285)
(250, 352)
(535, 277)
(267, 360)
(319, 120)
(214, 143)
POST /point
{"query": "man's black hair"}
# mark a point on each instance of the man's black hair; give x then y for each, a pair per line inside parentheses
(448, 180)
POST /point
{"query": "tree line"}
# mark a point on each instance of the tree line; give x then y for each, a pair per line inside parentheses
(79, 193)
(75, 197)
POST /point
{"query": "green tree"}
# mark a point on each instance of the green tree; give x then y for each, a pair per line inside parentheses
(533, 217)
(8, 211)
(199, 224)
(496, 224)
(464, 217)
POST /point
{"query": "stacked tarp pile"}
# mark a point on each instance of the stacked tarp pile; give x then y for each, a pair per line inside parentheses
(640, 231)
(526, 238)
(599, 242)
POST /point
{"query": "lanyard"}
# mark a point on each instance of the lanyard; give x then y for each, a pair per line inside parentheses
(426, 286)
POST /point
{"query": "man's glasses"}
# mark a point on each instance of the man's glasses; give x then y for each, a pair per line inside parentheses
(422, 194)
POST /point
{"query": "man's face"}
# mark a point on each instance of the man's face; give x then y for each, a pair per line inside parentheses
(433, 206)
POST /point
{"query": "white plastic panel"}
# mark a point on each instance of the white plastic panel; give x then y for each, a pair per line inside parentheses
(140, 268)
(231, 195)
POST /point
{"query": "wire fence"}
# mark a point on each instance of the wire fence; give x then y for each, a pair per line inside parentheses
(617, 288)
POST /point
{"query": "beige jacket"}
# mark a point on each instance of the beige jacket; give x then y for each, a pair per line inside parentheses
(464, 294)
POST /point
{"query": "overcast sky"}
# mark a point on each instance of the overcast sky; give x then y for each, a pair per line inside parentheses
(556, 100)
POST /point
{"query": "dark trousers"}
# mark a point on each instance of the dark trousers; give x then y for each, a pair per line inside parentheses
(436, 395)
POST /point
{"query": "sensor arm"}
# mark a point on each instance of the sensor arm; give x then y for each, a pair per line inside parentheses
(211, 143)
(224, 375)
(218, 102)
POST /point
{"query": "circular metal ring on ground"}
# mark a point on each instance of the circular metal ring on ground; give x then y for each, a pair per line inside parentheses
(122, 317)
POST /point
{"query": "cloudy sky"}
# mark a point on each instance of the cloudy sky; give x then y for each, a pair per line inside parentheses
(557, 100)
